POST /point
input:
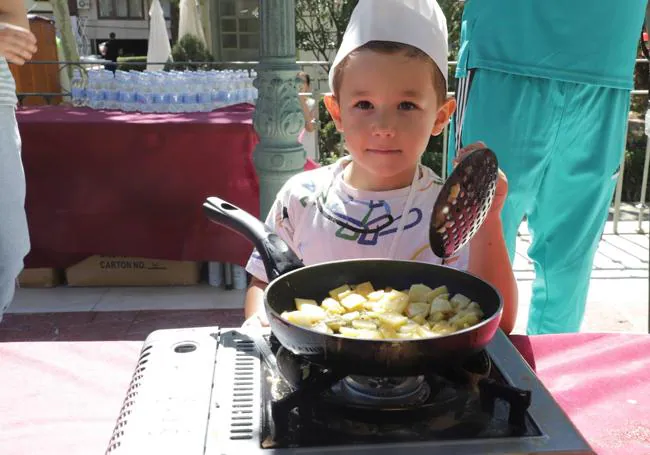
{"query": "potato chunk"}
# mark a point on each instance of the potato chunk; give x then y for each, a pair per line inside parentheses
(364, 324)
(441, 290)
(353, 302)
(387, 332)
(418, 293)
(408, 327)
(393, 320)
(306, 317)
(425, 332)
(332, 306)
(394, 302)
(440, 305)
(334, 293)
(459, 301)
(323, 328)
(351, 316)
(300, 302)
(364, 288)
(375, 296)
(417, 309)
(369, 334)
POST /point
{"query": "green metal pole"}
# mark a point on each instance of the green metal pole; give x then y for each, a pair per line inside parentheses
(278, 117)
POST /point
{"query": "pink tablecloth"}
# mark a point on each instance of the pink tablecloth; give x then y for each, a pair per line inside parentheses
(63, 398)
(129, 184)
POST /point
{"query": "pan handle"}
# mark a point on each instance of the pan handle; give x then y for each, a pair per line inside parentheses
(277, 256)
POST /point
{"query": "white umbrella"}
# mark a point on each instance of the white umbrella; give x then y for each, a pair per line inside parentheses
(158, 49)
(189, 22)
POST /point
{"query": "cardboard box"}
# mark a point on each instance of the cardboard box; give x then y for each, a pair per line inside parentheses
(39, 278)
(129, 271)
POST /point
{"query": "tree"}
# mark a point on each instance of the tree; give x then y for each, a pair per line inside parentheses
(190, 49)
(174, 19)
(68, 43)
(320, 25)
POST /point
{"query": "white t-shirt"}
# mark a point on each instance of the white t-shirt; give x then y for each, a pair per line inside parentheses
(323, 219)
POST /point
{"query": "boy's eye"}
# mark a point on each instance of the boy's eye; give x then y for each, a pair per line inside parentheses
(407, 106)
(364, 105)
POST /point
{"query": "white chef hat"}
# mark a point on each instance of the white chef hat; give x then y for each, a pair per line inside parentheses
(419, 23)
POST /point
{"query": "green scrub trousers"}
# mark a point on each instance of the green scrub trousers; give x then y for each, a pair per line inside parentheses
(560, 145)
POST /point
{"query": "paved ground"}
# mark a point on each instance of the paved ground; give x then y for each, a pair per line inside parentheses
(618, 295)
(618, 300)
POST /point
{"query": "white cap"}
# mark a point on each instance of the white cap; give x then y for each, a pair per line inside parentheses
(419, 23)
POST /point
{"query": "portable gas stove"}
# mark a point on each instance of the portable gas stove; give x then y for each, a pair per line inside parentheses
(214, 391)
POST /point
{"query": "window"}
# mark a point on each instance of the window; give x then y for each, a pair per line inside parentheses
(239, 27)
(121, 9)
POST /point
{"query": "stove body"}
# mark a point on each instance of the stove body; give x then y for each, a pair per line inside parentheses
(212, 391)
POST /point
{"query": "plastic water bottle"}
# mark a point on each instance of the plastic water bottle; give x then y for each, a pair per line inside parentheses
(205, 97)
(189, 94)
(175, 97)
(227, 276)
(92, 92)
(112, 93)
(253, 88)
(215, 274)
(163, 91)
(220, 95)
(76, 89)
(101, 90)
(158, 96)
(128, 93)
(239, 279)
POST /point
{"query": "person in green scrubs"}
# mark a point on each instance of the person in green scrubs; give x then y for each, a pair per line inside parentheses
(546, 85)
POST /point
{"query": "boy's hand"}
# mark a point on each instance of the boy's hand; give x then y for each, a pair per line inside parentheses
(17, 45)
(258, 319)
(501, 191)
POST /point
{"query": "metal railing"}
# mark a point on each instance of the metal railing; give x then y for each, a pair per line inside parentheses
(317, 93)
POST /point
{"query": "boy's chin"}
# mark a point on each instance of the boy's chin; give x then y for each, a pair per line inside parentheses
(393, 177)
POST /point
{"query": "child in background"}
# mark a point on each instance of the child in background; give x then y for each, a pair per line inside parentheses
(389, 96)
(309, 107)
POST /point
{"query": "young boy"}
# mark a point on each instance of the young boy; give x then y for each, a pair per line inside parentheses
(389, 95)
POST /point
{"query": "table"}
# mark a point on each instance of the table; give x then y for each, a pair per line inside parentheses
(62, 398)
(130, 184)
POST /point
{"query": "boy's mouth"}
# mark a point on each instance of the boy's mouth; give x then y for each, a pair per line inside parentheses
(384, 151)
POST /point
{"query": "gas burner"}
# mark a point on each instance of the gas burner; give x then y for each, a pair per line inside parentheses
(214, 398)
(380, 393)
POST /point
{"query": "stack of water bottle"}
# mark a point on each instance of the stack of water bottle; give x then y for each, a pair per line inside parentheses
(163, 91)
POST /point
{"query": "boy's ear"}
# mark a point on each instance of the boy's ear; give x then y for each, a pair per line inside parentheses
(332, 105)
(443, 116)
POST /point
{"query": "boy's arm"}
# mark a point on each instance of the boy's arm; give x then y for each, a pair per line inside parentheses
(489, 260)
(488, 254)
(254, 301)
(280, 220)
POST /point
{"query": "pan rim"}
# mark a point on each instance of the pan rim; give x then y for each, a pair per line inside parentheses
(497, 314)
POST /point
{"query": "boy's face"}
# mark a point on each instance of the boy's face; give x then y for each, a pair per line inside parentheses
(387, 108)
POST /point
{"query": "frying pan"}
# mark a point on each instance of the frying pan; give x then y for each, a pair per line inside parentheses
(290, 278)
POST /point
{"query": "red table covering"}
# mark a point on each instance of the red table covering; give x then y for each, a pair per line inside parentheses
(62, 398)
(130, 184)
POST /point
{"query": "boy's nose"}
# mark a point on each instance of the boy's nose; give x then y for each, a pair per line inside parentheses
(383, 126)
